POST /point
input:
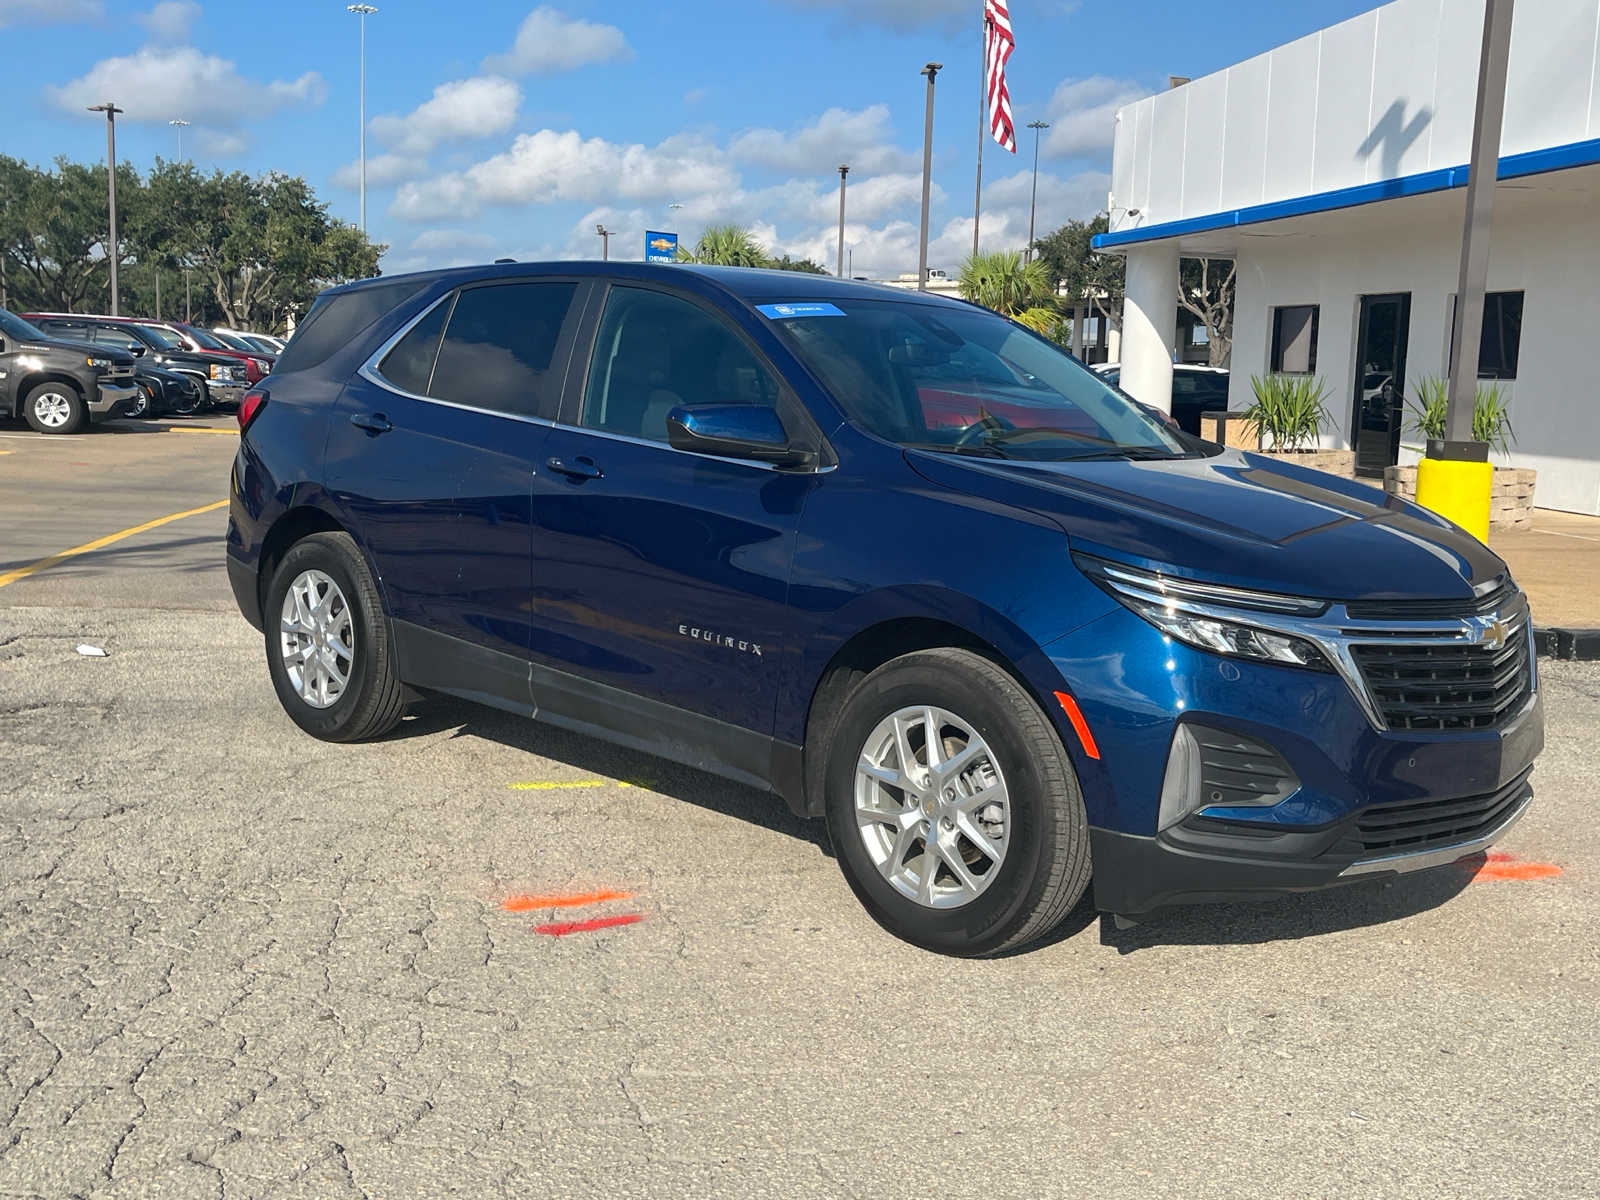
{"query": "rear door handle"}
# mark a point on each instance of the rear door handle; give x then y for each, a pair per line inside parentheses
(579, 468)
(372, 422)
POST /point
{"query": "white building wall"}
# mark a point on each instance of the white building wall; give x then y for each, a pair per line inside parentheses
(1386, 94)
(1548, 248)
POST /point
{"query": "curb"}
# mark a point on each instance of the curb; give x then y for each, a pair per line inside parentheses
(1579, 645)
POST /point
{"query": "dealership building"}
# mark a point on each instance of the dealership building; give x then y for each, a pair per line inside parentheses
(1333, 170)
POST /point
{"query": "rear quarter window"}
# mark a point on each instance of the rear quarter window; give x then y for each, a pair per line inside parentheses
(338, 319)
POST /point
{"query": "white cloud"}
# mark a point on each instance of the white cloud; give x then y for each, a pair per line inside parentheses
(171, 20)
(695, 95)
(862, 139)
(548, 166)
(155, 85)
(450, 239)
(383, 170)
(217, 143)
(466, 108)
(1083, 114)
(902, 15)
(549, 42)
(49, 12)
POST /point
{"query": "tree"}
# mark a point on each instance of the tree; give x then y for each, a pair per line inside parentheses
(1083, 273)
(729, 246)
(803, 265)
(54, 229)
(1206, 290)
(1001, 281)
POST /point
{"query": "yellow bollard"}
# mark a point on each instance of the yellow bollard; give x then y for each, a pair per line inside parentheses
(1458, 491)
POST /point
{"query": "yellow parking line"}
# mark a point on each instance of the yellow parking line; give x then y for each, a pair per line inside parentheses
(552, 785)
(45, 564)
(233, 433)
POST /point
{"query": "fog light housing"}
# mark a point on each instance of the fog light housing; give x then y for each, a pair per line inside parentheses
(1214, 771)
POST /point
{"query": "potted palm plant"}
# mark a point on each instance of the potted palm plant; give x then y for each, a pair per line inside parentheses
(1287, 419)
(1511, 493)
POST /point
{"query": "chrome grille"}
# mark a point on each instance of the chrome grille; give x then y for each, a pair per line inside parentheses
(1449, 685)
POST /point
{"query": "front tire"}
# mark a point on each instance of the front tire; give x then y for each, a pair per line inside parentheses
(144, 406)
(954, 811)
(55, 408)
(328, 642)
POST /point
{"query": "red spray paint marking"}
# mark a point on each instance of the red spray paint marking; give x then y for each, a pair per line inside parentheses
(1497, 865)
(562, 928)
(532, 903)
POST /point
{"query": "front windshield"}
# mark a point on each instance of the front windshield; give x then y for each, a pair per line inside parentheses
(207, 342)
(16, 328)
(161, 337)
(966, 381)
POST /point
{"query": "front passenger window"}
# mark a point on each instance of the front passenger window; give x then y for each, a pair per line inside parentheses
(655, 352)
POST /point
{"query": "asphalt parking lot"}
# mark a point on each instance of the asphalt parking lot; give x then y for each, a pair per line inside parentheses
(236, 961)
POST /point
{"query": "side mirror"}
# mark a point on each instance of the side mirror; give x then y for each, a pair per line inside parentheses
(750, 431)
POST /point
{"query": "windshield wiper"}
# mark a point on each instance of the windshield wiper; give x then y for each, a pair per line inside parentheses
(975, 449)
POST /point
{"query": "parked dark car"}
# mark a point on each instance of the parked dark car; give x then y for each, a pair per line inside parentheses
(242, 342)
(1195, 390)
(162, 392)
(220, 377)
(60, 386)
(703, 512)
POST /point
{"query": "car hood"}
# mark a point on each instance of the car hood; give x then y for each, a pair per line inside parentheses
(88, 349)
(1241, 519)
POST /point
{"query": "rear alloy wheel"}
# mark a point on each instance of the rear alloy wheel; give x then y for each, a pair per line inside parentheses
(328, 642)
(953, 808)
(55, 408)
(188, 399)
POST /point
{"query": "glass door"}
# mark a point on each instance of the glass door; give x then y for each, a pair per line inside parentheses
(1382, 336)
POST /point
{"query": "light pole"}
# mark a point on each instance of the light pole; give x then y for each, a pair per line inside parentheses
(931, 70)
(1038, 128)
(605, 242)
(843, 171)
(111, 111)
(363, 11)
(180, 125)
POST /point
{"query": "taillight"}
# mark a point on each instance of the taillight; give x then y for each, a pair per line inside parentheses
(250, 408)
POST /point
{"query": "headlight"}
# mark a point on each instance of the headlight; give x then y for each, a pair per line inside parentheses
(1223, 620)
(103, 363)
(220, 372)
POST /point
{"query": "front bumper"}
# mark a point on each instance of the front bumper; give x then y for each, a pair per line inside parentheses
(226, 393)
(113, 399)
(1366, 801)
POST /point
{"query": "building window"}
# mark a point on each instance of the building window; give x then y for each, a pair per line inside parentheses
(1294, 339)
(1502, 335)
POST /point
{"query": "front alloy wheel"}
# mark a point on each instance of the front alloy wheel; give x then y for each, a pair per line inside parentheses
(54, 408)
(931, 807)
(952, 806)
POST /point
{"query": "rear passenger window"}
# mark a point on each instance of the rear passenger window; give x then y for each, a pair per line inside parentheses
(335, 320)
(655, 352)
(499, 348)
(409, 366)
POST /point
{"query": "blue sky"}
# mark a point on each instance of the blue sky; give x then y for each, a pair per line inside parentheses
(509, 128)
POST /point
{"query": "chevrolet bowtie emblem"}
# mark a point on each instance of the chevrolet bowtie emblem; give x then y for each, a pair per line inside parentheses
(1492, 634)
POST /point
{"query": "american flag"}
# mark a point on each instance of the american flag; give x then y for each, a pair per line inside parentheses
(997, 47)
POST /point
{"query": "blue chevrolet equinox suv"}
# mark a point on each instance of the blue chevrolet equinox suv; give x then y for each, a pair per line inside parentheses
(892, 557)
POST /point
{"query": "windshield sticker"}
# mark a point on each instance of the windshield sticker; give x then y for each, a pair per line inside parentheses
(779, 312)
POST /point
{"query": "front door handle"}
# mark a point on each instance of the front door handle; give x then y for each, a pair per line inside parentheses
(583, 467)
(372, 422)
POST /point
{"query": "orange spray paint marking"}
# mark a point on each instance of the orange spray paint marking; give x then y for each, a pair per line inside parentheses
(563, 928)
(1498, 865)
(531, 903)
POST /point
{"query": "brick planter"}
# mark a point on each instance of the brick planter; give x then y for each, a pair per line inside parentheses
(1510, 495)
(1233, 431)
(1334, 462)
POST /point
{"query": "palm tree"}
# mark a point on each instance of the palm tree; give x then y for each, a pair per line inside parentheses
(729, 246)
(1022, 291)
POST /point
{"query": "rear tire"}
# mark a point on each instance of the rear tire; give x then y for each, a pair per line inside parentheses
(329, 646)
(55, 408)
(1010, 838)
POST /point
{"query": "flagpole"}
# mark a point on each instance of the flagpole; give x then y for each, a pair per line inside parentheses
(983, 108)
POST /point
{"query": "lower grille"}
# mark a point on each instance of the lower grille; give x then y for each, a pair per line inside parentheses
(1451, 686)
(1424, 824)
